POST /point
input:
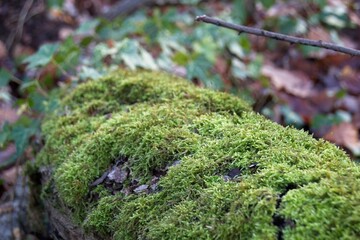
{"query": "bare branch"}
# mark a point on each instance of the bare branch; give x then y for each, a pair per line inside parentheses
(278, 36)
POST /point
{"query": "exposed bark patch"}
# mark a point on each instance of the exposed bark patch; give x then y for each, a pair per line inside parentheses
(278, 220)
(118, 178)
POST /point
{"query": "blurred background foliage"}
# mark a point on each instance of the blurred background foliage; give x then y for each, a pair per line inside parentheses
(49, 45)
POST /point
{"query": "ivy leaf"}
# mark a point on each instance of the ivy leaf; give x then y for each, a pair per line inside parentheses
(89, 73)
(239, 12)
(5, 77)
(21, 133)
(267, 3)
(54, 3)
(43, 56)
(335, 16)
(68, 54)
(4, 134)
(291, 117)
(199, 67)
(88, 27)
(148, 61)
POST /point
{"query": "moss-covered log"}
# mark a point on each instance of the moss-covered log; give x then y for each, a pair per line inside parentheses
(149, 156)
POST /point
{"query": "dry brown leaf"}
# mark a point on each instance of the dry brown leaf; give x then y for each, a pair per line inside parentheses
(294, 82)
(319, 33)
(65, 32)
(345, 134)
(22, 50)
(356, 120)
(301, 106)
(222, 67)
(349, 103)
(3, 51)
(8, 114)
(282, 9)
(10, 175)
(355, 18)
(350, 80)
(323, 101)
(7, 152)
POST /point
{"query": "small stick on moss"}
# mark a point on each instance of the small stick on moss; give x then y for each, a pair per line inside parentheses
(278, 36)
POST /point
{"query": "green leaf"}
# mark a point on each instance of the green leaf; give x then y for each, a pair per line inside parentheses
(321, 3)
(190, 2)
(5, 77)
(21, 132)
(181, 58)
(5, 134)
(236, 49)
(151, 31)
(132, 54)
(68, 54)
(207, 47)
(214, 81)
(29, 85)
(291, 117)
(89, 73)
(5, 96)
(238, 68)
(87, 27)
(239, 12)
(335, 16)
(267, 3)
(201, 68)
(289, 25)
(54, 3)
(20, 135)
(43, 56)
(198, 68)
(129, 53)
(254, 68)
(36, 101)
(322, 120)
(148, 61)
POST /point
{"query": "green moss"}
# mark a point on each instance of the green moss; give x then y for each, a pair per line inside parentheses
(192, 142)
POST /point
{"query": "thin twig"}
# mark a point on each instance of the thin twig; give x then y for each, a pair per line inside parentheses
(62, 70)
(278, 36)
(14, 79)
(123, 7)
(20, 24)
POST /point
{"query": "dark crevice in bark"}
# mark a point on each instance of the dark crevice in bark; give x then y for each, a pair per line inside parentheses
(278, 220)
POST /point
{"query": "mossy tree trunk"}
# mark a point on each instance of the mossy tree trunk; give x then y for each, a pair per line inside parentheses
(140, 155)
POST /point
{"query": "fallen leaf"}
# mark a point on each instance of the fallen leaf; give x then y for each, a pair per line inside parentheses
(294, 82)
(301, 106)
(350, 80)
(345, 134)
(323, 101)
(6, 153)
(355, 18)
(349, 103)
(10, 175)
(21, 50)
(319, 33)
(8, 114)
(3, 51)
(356, 120)
(282, 9)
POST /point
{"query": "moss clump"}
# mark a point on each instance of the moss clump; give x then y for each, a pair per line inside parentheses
(187, 163)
